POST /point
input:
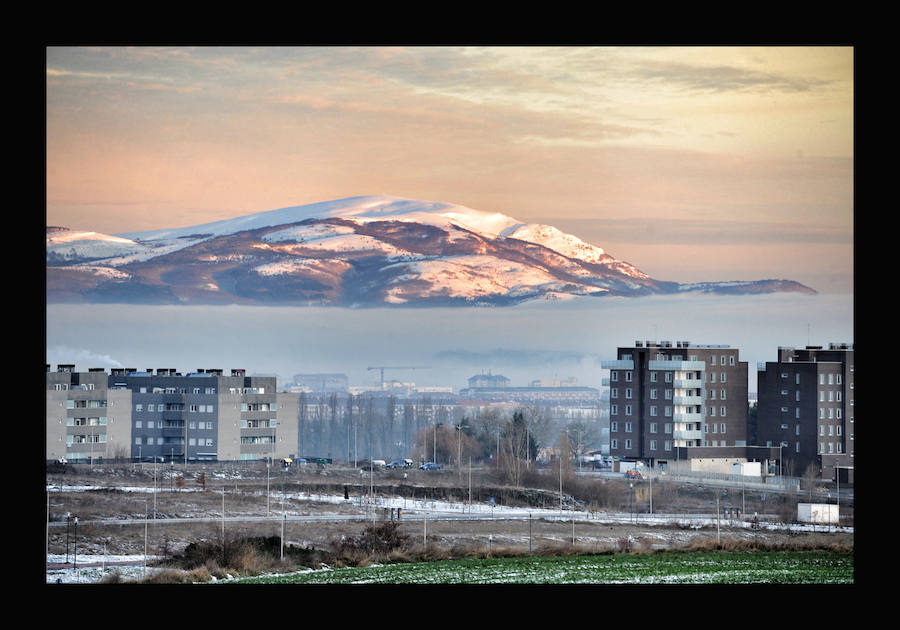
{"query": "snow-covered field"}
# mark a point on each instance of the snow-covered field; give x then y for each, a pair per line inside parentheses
(413, 509)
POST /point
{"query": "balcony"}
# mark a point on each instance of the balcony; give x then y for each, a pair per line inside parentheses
(687, 383)
(687, 400)
(617, 364)
(688, 434)
(693, 366)
(687, 417)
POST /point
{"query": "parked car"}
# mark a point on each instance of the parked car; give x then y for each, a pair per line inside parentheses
(396, 464)
(429, 466)
(633, 474)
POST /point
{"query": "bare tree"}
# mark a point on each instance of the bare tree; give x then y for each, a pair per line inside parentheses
(518, 448)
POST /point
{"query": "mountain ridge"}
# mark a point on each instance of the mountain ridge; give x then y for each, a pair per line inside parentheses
(357, 251)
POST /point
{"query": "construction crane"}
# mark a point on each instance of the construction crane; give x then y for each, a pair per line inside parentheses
(382, 368)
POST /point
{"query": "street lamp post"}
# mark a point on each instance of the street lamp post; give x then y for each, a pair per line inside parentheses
(68, 519)
(631, 501)
(459, 429)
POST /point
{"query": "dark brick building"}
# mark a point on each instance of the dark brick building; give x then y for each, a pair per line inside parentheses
(806, 408)
(665, 396)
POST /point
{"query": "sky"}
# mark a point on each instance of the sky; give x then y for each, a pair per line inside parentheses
(692, 163)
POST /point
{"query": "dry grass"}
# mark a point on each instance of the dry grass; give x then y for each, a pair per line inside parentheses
(195, 551)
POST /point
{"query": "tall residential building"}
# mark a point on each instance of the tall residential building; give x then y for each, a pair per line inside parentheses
(199, 416)
(664, 396)
(86, 420)
(806, 407)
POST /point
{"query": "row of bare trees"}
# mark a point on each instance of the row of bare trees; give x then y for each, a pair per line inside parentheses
(358, 427)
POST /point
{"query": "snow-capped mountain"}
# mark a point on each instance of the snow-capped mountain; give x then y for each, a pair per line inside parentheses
(360, 251)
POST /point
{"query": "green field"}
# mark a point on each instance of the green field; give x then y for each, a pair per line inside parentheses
(779, 567)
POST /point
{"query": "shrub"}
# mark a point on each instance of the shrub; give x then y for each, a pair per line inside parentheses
(378, 539)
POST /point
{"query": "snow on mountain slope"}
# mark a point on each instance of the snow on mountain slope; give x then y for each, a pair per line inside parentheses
(326, 237)
(370, 250)
(473, 277)
(551, 237)
(82, 245)
(367, 208)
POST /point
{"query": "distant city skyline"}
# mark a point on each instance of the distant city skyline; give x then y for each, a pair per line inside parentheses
(693, 163)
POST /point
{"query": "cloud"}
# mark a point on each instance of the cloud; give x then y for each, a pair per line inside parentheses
(669, 231)
(720, 78)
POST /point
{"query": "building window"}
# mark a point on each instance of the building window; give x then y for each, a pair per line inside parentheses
(653, 410)
(652, 427)
(627, 445)
(652, 445)
(628, 376)
(627, 410)
(628, 427)
(614, 427)
(614, 443)
(614, 410)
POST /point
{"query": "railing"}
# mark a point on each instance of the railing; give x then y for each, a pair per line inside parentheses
(692, 366)
(617, 364)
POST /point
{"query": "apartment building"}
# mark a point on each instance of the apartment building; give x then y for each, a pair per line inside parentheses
(86, 420)
(164, 414)
(806, 407)
(664, 397)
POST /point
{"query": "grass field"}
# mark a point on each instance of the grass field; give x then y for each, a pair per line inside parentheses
(780, 567)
